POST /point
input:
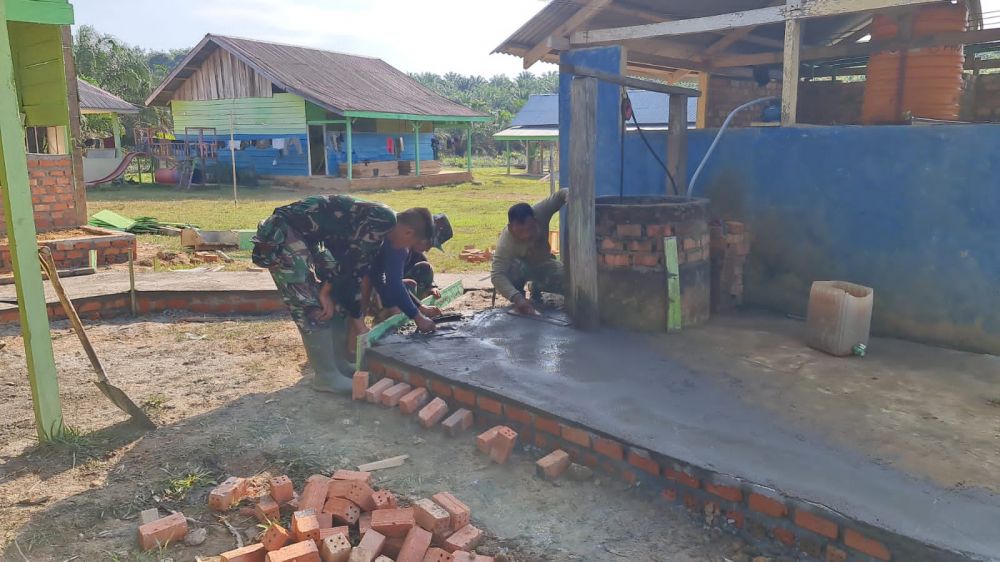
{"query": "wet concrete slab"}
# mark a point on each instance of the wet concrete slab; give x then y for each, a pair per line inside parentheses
(623, 385)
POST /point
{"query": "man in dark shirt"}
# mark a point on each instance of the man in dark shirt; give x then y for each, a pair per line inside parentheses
(402, 276)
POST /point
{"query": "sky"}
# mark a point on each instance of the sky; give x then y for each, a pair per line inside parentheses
(412, 35)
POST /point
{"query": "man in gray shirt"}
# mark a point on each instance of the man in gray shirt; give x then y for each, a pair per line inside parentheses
(523, 253)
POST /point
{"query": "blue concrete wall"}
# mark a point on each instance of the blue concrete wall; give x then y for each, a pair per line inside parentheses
(605, 59)
(266, 161)
(910, 211)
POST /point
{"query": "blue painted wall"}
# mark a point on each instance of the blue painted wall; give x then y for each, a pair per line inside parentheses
(266, 161)
(372, 146)
(605, 59)
(910, 211)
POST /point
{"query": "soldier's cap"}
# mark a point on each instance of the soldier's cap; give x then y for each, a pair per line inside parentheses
(442, 231)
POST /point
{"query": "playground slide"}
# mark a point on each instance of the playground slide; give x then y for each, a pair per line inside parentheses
(117, 172)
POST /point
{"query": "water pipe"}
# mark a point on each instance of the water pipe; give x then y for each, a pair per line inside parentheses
(722, 129)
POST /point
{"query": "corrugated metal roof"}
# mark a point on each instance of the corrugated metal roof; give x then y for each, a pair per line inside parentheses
(336, 81)
(530, 133)
(97, 100)
(651, 108)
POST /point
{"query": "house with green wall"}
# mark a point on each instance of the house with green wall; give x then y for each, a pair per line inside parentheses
(286, 110)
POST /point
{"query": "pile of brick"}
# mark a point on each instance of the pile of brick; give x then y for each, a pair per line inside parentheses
(730, 246)
(341, 518)
(472, 254)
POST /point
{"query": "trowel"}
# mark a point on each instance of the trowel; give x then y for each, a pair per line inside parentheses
(538, 316)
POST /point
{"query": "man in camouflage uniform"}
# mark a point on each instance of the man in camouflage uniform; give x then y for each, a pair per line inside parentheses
(319, 251)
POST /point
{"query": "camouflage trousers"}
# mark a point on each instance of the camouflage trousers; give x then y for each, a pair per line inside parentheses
(288, 258)
(547, 276)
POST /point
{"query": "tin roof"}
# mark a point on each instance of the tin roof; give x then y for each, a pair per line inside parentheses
(96, 100)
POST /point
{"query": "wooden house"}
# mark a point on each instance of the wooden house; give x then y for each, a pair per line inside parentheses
(300, 113)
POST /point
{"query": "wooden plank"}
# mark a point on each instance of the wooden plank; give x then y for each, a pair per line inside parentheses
(391, 462)
(582, 296)
(790, 72)
(582, 16)
(677, 145)
(20, 220)
(628, 82)
(675, 319)
(79, 185)
(736, 20)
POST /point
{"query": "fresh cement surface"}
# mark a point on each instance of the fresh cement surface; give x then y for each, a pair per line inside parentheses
(633, 388)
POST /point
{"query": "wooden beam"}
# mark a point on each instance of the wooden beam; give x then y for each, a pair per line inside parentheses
(628, 82)
(582, 295)
(677, 145)
(790, 71)
(736, 20)
(703, 80)
(657, 17)
(23, 241)
(73, 93)
(582, 16)
(864, 49)
(676, 76)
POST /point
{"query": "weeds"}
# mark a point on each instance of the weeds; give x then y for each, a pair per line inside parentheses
(178, 485)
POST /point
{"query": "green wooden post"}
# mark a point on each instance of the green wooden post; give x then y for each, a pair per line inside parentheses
(350, 151)
(507, 146)
(116, 129)
(468, 148)
(673, 272)
(416, 147)
(20, 219)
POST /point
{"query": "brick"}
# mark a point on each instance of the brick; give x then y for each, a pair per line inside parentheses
(375, 391)
(415, 545)
(861, 543)
(464, 396)
(629, 230)
(432, 413)
(730, 493)
(659, 230)
(547, 425)
(784, 536)
(616, 260)
(432, 517)
(609, 448)
(267, 509)
(149, 515)
(669, 494)
(325, 521)
(252, 553)
(552, 466)
(441, 389)
(484, 441)
(392, 396)
(343, 510)
(815, 523)
(335, 548)
(466, 538)
(282, 489)
(682, 477)
(364, 523)
(359, 554)
(436, 554)
(169, 529)
(502, 445)
(735, 518)
(394, 373)
(384, 499)
(641, 460)
(647, 259)
(314, 494)
(576, 436)
(372, 542)
(767, 506)
(393, 522)
(640, 246)
(360, 385)
(490, 405)
(357, 492)
(392, 547)
(414, 400)
(305, 526)
(611, 245)
(231, 491)
(457, 422)
(459, 512)
(518, 415)
(275, 537)
(304, 551)
(629, 477)
(834, 554)
(358, 475)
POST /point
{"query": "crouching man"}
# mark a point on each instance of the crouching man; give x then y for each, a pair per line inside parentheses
(523, 254)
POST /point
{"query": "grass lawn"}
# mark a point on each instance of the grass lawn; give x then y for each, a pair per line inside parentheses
(478, 212)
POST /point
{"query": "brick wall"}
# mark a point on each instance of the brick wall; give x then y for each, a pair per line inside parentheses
(112, 247)
(52, 192)
(985, 99)
(820, 102)
(730, 245)
(726, 94)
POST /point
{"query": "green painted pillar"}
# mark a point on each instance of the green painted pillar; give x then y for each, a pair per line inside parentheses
(350, 151)
(416, 147)
(468, 148)
(20, 219)
(507, 146)
(116, 130)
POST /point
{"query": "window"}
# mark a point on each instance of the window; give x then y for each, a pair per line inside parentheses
(46, 140)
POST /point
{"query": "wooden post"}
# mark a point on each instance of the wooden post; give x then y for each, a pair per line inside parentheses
(507, 146)
(23, 242)
(232, 148)
(116, 130)
(677, 145)
(672, 269)
(468, 148)
(416, 147)
(552, 169)
(790, 71)
(582, 294)
(74, 135)
(703, 81)
(350, 151)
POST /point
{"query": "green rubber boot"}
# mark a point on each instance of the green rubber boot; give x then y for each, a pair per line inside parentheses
(323, 360)
(339, 338)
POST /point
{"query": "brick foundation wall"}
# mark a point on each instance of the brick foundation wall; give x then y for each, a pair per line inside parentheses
(760, 514)
(730, 245)
(53, 194)
(112, 248)
(825, 102)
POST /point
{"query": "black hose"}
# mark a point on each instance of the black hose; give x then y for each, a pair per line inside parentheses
(642, 134)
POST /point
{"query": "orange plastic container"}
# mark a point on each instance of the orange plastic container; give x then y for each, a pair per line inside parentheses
(839, 317)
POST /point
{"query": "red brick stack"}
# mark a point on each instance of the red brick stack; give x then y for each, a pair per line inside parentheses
(730, 245)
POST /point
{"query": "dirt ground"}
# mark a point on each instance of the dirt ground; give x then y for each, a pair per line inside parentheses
(230, 399)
